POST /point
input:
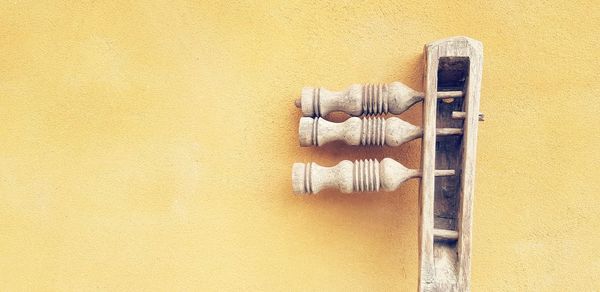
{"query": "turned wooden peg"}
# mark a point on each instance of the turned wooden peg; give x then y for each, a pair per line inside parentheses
(363, 131)
(358, 176)
(359, 99)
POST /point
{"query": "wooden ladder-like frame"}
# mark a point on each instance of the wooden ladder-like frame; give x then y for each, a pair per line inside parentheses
(446, 203)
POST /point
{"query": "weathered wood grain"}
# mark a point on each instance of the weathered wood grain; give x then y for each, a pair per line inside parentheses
(446, 203)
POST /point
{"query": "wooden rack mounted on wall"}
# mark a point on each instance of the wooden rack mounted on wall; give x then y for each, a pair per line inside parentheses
(452, 82)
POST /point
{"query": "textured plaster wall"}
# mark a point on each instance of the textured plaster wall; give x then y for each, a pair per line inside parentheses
(148, 145)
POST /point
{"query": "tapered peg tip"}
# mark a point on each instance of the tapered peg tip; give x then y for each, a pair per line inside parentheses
(298, 103)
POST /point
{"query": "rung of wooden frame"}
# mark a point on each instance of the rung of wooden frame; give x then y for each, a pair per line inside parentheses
(444, 234)
(462, 115)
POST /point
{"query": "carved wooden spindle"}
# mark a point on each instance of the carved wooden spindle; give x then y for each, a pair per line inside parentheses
(363, 131)
(358, 176)
(359, 99)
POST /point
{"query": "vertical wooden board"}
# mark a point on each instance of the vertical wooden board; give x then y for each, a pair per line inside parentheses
(471, 107)
(426, 195)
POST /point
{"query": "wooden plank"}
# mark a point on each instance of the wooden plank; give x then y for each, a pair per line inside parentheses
(471, 106)
(452, 64)
(427, 186)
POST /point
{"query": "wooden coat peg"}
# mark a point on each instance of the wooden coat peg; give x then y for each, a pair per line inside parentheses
(359, 99)
(363, 131)
(358, 176)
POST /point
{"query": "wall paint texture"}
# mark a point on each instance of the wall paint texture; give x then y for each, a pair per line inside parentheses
(148, 145)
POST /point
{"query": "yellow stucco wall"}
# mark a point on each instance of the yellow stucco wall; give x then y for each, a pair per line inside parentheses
(148, 146)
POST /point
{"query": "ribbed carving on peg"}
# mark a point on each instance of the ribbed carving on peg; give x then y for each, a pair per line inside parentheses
(372, 131)
(365, 131)
(316, 101)
(315, 132)
(375, 99)
(307, 178)
(367, 175)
